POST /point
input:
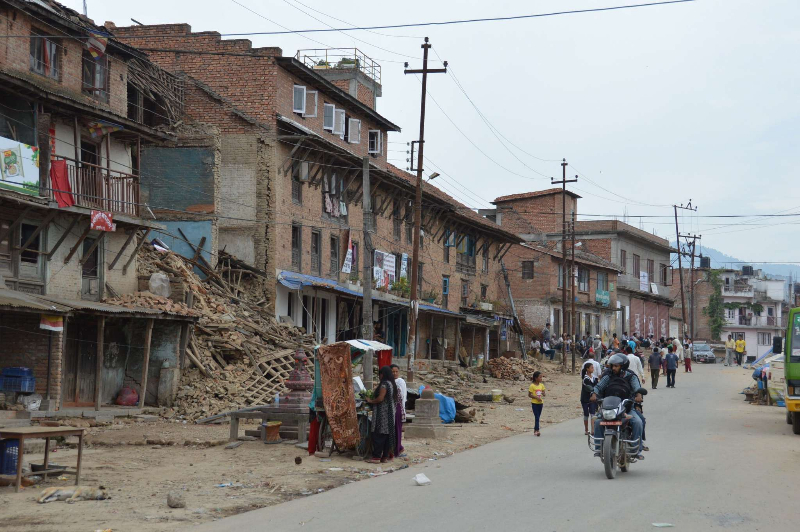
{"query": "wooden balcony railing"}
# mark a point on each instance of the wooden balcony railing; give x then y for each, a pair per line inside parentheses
(99, 188)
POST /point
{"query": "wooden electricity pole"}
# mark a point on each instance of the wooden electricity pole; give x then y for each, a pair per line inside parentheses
(366, 310)
(680, 261)
(573, 321)
(412, 322)
(563, 184)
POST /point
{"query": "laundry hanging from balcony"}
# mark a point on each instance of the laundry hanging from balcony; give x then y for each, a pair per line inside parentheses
(59, 179)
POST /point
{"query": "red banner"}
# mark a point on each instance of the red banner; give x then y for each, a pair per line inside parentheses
(103, 221)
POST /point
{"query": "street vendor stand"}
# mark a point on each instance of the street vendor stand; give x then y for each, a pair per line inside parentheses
(332, 391)
(27, 433)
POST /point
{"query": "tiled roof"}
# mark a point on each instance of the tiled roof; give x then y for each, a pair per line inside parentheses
(459, 207)
(534, 194)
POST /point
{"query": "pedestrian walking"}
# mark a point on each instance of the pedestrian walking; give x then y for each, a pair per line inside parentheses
(384, 402)
(730, 348)
(589, 407)
(687, 357)
(672, 365)
(740, 350)
(593, 362)
(400, 410)
(536, 392)
(654, 362)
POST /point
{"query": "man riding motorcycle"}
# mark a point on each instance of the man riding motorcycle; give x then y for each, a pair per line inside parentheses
(623, 383)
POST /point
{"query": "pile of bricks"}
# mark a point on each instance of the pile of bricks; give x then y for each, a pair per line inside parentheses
(514, 369)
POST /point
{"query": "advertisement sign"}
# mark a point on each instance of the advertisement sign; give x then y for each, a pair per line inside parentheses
(602, 297)
(644, 282)
(102, 221)
(389, 267)
(51, 323)
(404, 266)
(347, 267)
(19, 166)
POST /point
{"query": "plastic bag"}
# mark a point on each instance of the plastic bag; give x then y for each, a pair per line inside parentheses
(159, 284)
(421, 480)
(127, 397)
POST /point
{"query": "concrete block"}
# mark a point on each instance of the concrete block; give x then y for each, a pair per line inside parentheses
(167, 386)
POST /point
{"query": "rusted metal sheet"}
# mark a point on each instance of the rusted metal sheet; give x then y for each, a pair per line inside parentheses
(337, 393)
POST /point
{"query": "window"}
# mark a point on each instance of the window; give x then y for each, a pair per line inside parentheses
(446, 248)
(409, 233)
(583, 279)
(663, 270)
(297, 246)
(333, 195)
(44, 56)
(445, 290)
(338, 122)
(316, 252)
(636, 266)
(602, 281)
(354, 131)
(623, 260)
(299, 100)
(375, 142)
(560, 276)
(354, 267)
(334, 255)
(764, 338)
(464, 292)
(485, 266)
(5, 248)
(311, 105)
(484, 289)
(299, 175)
(651, 271)
(31, 255)
(328, 112)
(465, 254)
(527, 269)
(290, 305)
(95, 76)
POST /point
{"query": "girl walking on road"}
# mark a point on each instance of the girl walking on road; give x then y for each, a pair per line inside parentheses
(536, 392)
(589, 407)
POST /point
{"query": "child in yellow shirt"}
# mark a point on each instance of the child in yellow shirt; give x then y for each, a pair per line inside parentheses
(536, 392)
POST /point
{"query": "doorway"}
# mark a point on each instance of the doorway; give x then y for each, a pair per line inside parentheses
(80, 364)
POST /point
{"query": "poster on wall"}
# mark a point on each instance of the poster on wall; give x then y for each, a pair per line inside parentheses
(377, 274)
(404, 266)
(389, 267)
(644, 282)
(19, 166)
(347, 267)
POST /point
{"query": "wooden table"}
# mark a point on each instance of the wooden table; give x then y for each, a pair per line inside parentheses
(28, 433)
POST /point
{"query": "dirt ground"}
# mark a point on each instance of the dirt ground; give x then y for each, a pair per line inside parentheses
(140, 462)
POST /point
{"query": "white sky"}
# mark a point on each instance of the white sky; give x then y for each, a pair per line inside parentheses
(657, 105)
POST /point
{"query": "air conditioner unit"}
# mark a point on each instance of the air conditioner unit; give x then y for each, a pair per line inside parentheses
(488, 307)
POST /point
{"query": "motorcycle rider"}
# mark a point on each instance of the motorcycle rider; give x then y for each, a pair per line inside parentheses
(623, 383)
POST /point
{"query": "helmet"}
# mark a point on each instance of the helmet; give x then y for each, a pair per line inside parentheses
(622, 360)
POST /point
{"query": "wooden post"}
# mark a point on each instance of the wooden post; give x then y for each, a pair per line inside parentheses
(43, 140)
(458, 339)
(148, 336)
(430, 339)
(185, 333)
(472, 349)
(444, 339)
(366, 309)
(368, 368)
(101, 327)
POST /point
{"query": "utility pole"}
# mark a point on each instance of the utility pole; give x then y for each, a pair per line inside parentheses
(680, 260)
(693, 247)
(412, 322)
(573, 321)
(513, 309)
(366, 311)
(563, 184)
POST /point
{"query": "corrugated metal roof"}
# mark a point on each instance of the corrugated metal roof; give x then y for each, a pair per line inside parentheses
(80, 304)
(12, 298)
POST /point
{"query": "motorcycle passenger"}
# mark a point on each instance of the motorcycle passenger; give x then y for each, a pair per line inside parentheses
(623, 383)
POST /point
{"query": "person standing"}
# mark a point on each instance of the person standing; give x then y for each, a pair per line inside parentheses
(672, 365)
(730, 347)
(635, 365)
(615, 341)
(654, 362)
(591, 361)
(383, 403)
(546, 333)
(537, 392)
(400, 410)
(740, 350)
(589, 408)
(687, 357)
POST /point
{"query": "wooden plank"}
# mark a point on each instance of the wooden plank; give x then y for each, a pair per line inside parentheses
(148, 337)
(291, 154)
(123, 248)
(499, 250)
(39, 228)
(97, 242)
(199, 248)
(186, 238)
(63, 237)
(14, 225)
(101, 327)
(135, 251)
(78, 243)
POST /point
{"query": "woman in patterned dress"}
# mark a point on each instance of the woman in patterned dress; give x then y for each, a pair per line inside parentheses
(384, 403)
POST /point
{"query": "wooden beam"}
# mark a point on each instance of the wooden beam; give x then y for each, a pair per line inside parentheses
(148, 337)
(78, 243)
(444, 227)
(199, 248)
(98, 378)
(186, 332)
(123, 248)
(506, 251)
(350, 181)
(41, 226)
(14, 225)
(289, 157)
(94, 246)
(292, 137)
(63, 237)
(135, 251)
(319, 171)
(499, 250)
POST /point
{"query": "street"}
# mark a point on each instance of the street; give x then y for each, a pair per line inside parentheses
(715, 462)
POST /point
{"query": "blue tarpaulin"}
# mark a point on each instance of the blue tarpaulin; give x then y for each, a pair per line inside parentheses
(447, 406)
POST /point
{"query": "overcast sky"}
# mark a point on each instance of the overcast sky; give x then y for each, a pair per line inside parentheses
(655, 105)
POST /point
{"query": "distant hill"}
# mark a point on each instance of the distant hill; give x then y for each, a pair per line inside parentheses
(722, 260)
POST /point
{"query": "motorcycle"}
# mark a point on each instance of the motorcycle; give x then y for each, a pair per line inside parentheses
(617, 447)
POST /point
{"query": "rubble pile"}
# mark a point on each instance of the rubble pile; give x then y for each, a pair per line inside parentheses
(238, 354)
(514, 369)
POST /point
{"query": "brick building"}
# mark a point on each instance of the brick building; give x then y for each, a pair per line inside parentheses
(75, 113)
(278, 149)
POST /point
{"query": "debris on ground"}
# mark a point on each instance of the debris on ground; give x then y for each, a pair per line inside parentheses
(238, 354)
(514, 369)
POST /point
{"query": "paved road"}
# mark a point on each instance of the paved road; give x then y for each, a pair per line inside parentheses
(716, 462)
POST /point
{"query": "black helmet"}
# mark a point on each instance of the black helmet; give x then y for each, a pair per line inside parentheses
(622, 360)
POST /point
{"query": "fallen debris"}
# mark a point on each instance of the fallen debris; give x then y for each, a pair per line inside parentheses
(514, 369)
(175, 500)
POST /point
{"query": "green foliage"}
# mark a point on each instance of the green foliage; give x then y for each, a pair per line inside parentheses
(757, 308)
(401, 285)
(715, 311)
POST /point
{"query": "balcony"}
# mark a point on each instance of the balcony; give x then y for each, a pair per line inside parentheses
(95, 187)
(738, 290)
(754, 321)
(340, 59)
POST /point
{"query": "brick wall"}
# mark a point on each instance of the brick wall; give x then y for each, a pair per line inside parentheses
(538, 214)
(15, 58)
(26, 345)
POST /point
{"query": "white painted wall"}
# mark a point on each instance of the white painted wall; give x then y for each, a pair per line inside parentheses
(282, 295)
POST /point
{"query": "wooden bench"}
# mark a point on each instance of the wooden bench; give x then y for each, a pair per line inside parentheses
(299, 423)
